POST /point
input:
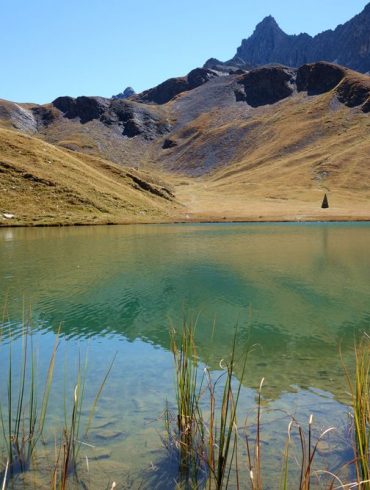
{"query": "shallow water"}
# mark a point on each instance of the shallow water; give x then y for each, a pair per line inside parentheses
(297, 292)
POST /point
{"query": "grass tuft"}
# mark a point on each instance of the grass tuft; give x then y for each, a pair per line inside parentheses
(22, 418)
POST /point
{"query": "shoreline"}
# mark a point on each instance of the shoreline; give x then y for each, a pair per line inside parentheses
(205, 220)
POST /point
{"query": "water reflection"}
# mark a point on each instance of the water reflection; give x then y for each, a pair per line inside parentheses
(298, 291)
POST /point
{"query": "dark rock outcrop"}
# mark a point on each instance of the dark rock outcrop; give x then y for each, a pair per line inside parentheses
(168, 143)
(86, 108)
(347, 45)
(354, 92)
(131, 118)
(319, 78)
(166, 91)
(128, 92)
(351, 89)
(44, 115)
(137, 120)
(198, 77)
(366, 107)
(143, 185)
(266, 86)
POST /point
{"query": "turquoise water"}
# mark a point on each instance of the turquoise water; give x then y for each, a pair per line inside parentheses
(298, 293)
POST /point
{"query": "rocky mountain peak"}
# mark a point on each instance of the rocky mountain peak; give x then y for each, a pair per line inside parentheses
(347, 45)
(267, 23)
(260, 48)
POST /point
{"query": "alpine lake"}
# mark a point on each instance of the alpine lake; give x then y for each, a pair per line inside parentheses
(297, 294)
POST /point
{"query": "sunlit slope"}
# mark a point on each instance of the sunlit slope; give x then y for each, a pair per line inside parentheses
(260, 145)
(280, 160)
(43, 184)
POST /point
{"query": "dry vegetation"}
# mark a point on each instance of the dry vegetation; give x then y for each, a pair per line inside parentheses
(292, 154)
(228, 162)
(42, 184)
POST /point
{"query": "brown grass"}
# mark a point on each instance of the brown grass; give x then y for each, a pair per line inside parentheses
(291, 154)
(272, 163)
(43, 184)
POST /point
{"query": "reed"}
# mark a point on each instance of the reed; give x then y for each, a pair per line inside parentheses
(186, 436)
(308, 446)
(207, 436)
(359, 387)
(207, 446)
(223, 426)
(23, 412)
(22, 416)
(254, 458)
(68, 450)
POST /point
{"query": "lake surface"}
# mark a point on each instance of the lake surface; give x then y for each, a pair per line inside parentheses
(298, 293)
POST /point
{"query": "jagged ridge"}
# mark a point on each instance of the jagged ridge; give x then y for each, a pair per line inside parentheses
(347, 45)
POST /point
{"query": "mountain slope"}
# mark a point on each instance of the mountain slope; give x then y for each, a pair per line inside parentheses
(347, 45)
(262, 160)
(262, 144)
(42, 184)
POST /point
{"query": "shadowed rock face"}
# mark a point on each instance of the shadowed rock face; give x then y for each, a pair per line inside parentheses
(265, 45)
(136, 119)
(43, 115)
(86, 108)
(164, 92)
(132, 119)
(366, 106)
(168, 143)
(354, 92)
(347, 45)
(169, 89)
(319, 78)
(267, 85)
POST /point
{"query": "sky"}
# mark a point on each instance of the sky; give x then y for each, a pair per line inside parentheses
(50, 48)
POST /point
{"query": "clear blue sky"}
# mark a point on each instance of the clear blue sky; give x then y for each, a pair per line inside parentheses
(98, 47)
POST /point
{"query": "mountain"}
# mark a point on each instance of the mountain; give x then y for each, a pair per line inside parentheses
(128, 92)
(252, 145)
(347, 45)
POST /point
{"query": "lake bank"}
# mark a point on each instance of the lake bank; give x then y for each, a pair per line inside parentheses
(232, 212)
(322, 218)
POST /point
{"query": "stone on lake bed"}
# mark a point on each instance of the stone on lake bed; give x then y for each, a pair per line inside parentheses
(100, 454)
(108, 435)
(104, 425)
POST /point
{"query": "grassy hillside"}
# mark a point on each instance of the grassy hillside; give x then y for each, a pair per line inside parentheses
(216, 152)
(277, 161)
(43, 184)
